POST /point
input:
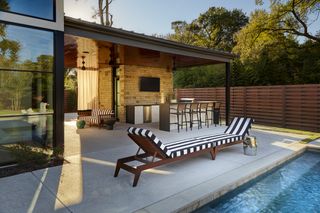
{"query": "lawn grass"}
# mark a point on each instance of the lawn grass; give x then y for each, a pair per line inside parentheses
(9, 112)
(310, 136)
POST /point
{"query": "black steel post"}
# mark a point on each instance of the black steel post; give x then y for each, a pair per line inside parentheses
(58, 92)
(227, 95)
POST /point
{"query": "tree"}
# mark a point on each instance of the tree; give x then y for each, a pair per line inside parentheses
(103, 12)
(8, 52)
(181, 33)
(213, 29)
(3, 6)
(45, 62)
(202, 76)
(271, 58)
(294, 17)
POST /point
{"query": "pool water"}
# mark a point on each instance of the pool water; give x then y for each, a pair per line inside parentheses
(294, 187)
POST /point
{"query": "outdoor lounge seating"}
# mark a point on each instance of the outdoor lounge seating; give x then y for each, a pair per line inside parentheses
(95, 116)
(179, 150)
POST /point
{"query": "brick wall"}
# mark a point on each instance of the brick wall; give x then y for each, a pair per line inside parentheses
(129, 81)
(137, 65)
(105, 88)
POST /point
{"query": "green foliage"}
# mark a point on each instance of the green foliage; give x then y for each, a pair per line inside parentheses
(203, 76)
(213, 29)
(70, 79)
(181, 33)
(58, 152)
(293, 17)
(269, 49)
(28, 154)
(8, 52)
(45, 62)
(216, 27)
(273, 58)
(4, 5)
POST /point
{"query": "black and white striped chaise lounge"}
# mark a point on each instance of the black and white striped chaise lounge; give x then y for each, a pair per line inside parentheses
(166, 153)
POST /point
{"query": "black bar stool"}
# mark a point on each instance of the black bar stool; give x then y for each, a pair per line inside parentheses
(210, 110)
(180, 111)
(203, 112)
(216, 114)
(194, 110)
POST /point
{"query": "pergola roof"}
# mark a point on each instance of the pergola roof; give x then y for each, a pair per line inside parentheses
(185, 55)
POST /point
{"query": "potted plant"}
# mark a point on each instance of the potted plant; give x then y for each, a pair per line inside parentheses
(81, 124)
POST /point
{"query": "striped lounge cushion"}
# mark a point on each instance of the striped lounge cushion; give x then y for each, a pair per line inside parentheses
(183, 147)
(90, 119)
(239, 126)
(186, 146)
(148, 134)
(97, 112)
(237, 130)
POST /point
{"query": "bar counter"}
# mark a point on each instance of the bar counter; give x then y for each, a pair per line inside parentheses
(165, 118)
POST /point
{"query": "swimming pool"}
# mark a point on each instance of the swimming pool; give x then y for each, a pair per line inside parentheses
(294, 187)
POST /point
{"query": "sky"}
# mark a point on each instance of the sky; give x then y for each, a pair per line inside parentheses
(154, 16)
(27, 37)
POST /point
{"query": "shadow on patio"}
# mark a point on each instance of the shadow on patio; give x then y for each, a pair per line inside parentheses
(87, 183)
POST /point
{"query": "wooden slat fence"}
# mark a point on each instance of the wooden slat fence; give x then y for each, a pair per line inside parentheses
(289, 106)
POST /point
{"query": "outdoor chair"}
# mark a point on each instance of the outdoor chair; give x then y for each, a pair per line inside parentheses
(216, 113)
(203, 114)
(95, 116)
(166, 153)
(194, 112)
(210, 112)
(180, 111)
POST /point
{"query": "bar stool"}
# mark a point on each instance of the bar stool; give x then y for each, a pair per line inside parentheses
(194, 110)
(217, 114)
(203, 111)
(210, 111)
(180, 111)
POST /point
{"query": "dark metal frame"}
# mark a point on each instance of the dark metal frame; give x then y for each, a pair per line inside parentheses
(58, 83)
(58, 88)
(227, 85)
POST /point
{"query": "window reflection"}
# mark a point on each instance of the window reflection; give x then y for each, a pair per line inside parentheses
(24, 48)
(26, 87)
(37, 8)
(25, 93)
(27, 129)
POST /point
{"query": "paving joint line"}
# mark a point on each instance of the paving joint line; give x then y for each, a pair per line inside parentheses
(50, 191)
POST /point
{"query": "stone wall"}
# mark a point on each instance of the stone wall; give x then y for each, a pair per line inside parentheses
(137, 65)
(105, 88)
(130, 86)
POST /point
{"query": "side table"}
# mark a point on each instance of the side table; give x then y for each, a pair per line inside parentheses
(108, 123)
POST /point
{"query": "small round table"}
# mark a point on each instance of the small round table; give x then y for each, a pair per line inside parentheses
(108, 123)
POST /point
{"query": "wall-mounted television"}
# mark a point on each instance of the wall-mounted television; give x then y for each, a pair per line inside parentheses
(148, 84)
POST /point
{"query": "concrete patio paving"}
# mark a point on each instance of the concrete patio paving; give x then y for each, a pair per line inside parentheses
(86, 184)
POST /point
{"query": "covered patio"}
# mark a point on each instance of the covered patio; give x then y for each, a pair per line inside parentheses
(111, 64)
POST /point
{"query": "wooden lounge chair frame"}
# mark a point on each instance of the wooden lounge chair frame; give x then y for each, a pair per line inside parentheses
(158, 156)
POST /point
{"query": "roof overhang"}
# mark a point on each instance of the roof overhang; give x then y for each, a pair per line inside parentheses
(95, 31)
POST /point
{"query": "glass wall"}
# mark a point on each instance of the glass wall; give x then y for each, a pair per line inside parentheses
(43, 9)
(26, 86)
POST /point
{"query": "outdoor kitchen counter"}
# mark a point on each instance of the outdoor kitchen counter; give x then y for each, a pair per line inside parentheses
(142, 113)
